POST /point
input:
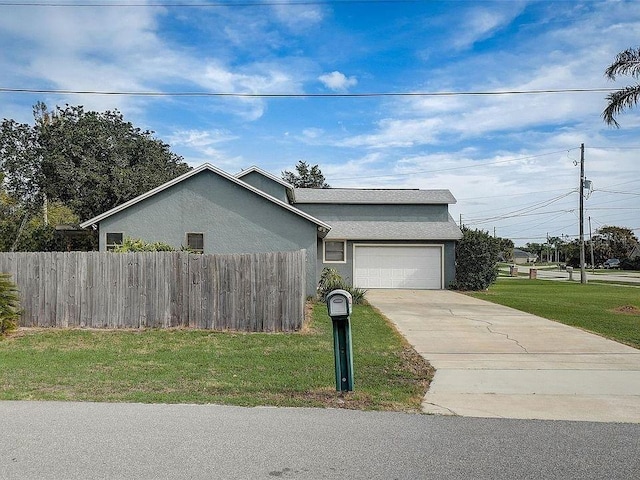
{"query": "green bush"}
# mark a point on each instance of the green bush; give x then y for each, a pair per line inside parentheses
(476, 260)
(331, 280)
(9, 304)
(138, 245)
(628, 264)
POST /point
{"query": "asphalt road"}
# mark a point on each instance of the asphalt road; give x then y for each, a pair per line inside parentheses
(53, 440)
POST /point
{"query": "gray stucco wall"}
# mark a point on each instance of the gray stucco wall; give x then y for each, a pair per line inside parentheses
(346, 269)
(232, 218)
(266, 185)
(396, 213)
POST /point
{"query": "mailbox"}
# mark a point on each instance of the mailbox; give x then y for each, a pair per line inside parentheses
(339, 304)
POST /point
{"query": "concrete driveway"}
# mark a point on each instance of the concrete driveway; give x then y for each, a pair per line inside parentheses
(494, 361)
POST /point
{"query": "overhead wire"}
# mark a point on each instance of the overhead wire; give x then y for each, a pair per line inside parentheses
(300, 95)
(200, 4)
(520, 211)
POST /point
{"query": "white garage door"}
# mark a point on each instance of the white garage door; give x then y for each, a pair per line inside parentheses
(418, 267)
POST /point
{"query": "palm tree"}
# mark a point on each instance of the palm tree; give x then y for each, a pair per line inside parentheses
(626, 63)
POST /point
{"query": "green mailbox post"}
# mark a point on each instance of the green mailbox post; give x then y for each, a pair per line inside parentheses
(339, 305)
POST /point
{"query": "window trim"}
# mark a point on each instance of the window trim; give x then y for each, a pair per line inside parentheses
(110, 246)
(324, 250)
(186, 241)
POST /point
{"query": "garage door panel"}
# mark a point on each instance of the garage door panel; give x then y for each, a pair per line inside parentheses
(398, 267)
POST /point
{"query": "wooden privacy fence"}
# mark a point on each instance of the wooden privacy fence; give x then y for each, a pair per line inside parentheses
(252, 292)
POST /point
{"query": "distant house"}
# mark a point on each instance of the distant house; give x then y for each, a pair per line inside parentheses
(374, 238)
(521, 257)
(635, 252)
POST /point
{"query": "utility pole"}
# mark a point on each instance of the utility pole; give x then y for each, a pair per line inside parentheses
(583, 273)
(548, 254)
(591, 244)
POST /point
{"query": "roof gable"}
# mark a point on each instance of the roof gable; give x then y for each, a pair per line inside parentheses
(208, 167)
(264, 173)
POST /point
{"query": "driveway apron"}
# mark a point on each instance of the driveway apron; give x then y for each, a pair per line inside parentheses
(494, 361)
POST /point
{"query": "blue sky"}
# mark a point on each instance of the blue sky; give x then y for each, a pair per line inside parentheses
(510, 160)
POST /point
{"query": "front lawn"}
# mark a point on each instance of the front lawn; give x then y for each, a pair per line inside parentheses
(197, 366)
(609, 310)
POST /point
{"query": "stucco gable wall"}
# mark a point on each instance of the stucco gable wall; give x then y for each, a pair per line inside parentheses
(265, 184)
(232, 218)
(393, 212)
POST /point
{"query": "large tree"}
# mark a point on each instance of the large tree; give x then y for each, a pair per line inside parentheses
(305, 176)
(619, 241)
(625, 63)
(94, 161)
(89, 161)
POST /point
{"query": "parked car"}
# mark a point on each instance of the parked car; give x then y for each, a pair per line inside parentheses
(612, 263)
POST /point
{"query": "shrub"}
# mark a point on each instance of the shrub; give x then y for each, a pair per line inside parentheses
(138, 245)
(9, 304)
(331, 280)
(476, 260)
(628, 264)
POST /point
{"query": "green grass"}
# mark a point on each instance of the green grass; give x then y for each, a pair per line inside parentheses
(195, 366)
(608, 310)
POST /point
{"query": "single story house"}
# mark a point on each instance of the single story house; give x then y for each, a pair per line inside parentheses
(521, 257)
(375, 238)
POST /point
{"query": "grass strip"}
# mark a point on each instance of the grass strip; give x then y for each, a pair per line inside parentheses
(608, 310)
(198, 366)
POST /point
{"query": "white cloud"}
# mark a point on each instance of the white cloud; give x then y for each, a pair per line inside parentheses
(481, 23)
(556, 57)
(394, 133)
(298, 18)
(337, 81)
(121, 49)
(200, 138)
(312, 133)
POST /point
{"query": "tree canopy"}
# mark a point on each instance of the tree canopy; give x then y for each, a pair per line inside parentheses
(305, 176)
(625, 63)
(85, 161)
(617, 241)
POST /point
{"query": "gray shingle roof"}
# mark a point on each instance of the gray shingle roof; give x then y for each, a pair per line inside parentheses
(375, 230)
(372, 196)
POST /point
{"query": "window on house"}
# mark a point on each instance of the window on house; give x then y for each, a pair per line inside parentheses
(334, 251)
(113, 240)
(195, 242)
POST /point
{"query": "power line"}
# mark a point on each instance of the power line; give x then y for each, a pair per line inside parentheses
(538, 225)
(612, 208)
(509, 194)
(522, 211)
(201, 4)
(623, 183)
(303, 95)
(506, 217)
(613, 191)
(630, 147)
